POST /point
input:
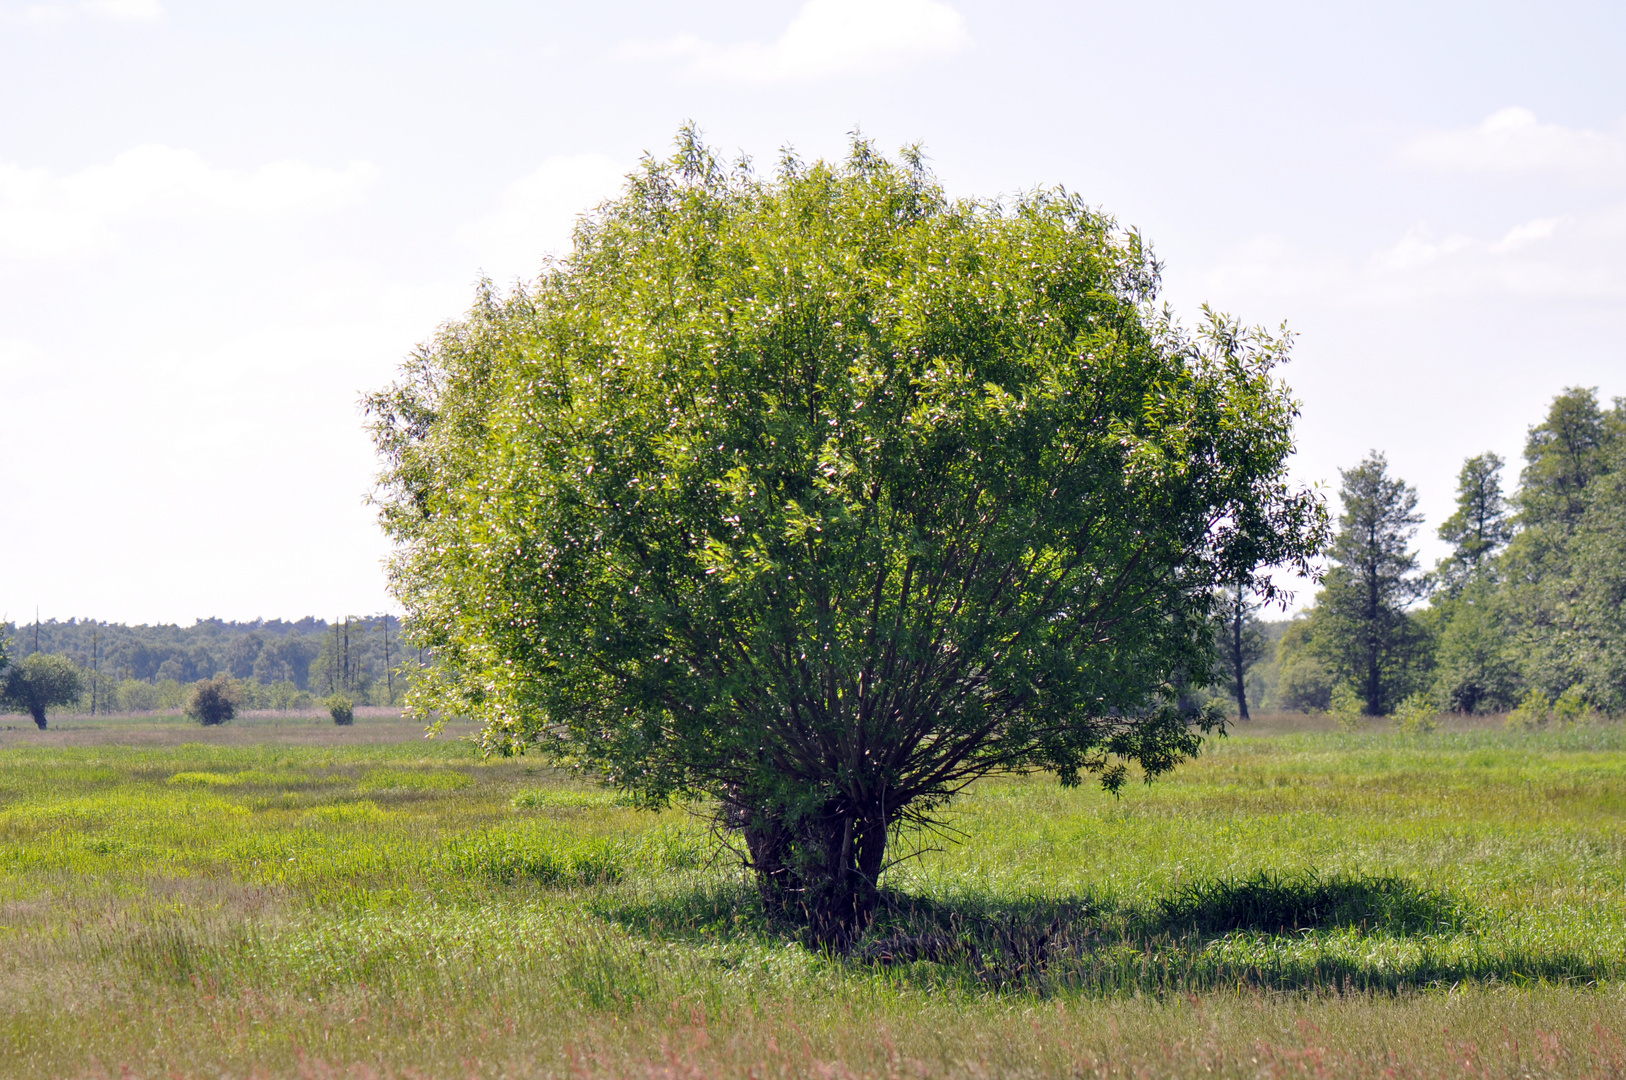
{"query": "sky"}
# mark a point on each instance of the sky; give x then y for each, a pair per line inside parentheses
(221, 223)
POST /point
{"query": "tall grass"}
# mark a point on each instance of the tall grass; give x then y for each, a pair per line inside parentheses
(281, 900)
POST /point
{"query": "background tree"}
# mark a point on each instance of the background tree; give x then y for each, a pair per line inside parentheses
(1556, 572)
(1242, 642)
(41, 681)
(1598, 618)
(1303, 682)
(823, 496)
(1479, 527)
(1562, 454)
(1362, 628)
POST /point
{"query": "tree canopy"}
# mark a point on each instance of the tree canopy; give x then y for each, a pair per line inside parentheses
(822, 495)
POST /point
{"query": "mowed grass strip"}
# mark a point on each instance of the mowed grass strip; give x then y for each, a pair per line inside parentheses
(1357, 904)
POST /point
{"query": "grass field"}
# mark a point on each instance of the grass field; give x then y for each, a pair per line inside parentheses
(280, 897)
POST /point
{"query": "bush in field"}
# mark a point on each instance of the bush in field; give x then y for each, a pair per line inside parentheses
(40, 681)
(1572, 707)
(1346, 706)
(212, 701)
(823, 496)
(137, 695)
(1418, 714)
(342, 709)
(1532, 711)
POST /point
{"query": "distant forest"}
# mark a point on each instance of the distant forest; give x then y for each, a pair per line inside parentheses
(279, 664)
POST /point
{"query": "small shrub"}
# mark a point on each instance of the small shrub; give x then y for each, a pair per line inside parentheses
(342, 709)
(1531, 713)
(1346, 707)
(1417, 715)
(212, 701)
(1571, 707)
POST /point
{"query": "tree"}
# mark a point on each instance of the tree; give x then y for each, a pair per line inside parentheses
(1302, 680)
(40, 681)
(1559, 568)
(1562, 454)
(1242, 644)
(213, 701)
(1599, 588)
(1475, 668)
(1360, 624)
(823, 496)
(1479, 527)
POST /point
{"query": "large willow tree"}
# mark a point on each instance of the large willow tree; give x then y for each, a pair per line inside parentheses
(823, 495)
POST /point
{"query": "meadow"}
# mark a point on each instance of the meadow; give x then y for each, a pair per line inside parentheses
(281, 897)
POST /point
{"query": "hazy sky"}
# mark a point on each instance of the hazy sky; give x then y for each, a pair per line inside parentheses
(220, 223)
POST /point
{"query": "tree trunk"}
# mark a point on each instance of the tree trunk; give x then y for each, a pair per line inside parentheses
(38, 713)
(1236, 656)
(823, 870)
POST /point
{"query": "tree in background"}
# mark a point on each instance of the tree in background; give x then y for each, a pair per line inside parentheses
(1554, 604)
(1474, 667)
(1562, 454)
(1242, 642)
(1479, 527)
(1599, 587)
(39, 682)
(1361, 628)
(824, 496)
(1303, 683)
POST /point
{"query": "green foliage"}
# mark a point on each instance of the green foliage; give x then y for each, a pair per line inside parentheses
(1360, 626)
(1476, 667)
(1418, 714)
(1565, 580)
(1571, 706)
(822, 496)
(1303, 683)
(39, 682)
(1280, 903)
(1479, 527)
(1346, 706)
(212, 701)
(1533, 711)
(342, 709)
(263, 652)
(1562, 456)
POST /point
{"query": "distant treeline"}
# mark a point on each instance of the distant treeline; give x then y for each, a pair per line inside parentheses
(279, 664)
(1527, 614)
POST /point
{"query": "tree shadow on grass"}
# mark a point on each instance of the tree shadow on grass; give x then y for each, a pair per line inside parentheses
(1266, 931)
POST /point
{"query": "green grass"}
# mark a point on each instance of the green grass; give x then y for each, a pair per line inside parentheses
(288, 898)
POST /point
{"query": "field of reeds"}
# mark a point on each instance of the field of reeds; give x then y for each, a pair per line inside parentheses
(282, 897)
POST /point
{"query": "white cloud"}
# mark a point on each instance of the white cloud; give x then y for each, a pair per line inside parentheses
(1513, 140)
(1578, 256)
(827, 37)
(46, 216)
(536, 213)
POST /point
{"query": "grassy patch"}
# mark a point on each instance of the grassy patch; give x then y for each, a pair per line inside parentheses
(339, 900)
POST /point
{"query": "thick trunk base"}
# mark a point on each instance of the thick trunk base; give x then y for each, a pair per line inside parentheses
(822, 873)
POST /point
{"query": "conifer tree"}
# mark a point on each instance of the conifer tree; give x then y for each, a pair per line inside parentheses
(1480, 526)
(1363, 630)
